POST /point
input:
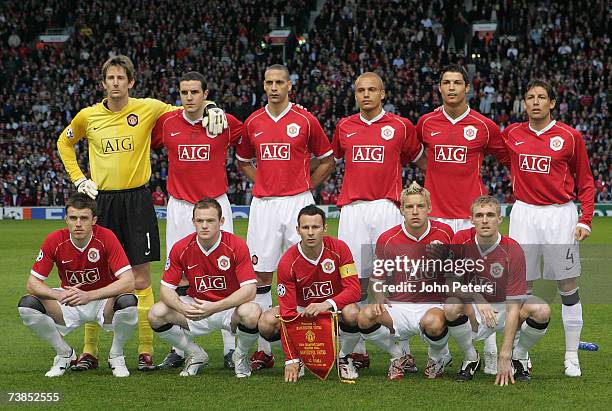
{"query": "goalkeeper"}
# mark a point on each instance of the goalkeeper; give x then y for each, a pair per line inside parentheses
(118, 132)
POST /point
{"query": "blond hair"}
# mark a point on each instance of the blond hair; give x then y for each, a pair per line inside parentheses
(485, 200)
(415, 189)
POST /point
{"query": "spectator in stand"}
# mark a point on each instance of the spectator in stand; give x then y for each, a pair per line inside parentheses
(159, 197)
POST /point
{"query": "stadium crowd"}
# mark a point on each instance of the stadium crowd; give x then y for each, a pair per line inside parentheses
(44, 86)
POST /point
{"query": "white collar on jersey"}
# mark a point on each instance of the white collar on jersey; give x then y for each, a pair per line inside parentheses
(544, 130)
(313, 262)
(490, 249)
(213, 248)
(458, 119)
(190, 121)
(374, 120)
(413, 238)
(86, 245)
(281, 115)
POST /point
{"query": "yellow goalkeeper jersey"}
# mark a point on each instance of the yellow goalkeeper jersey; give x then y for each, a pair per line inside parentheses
(119, 143)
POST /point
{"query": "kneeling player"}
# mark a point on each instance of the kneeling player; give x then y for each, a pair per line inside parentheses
(316, 275)
(221, 284)
(96, 286)
(492, 296)
(411, 310)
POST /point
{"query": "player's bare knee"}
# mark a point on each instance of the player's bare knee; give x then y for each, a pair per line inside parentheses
(157, 314)
(433, 322)
(453, 309)
(350, 314)
(538, 310)
(366, 317)
(248, 314)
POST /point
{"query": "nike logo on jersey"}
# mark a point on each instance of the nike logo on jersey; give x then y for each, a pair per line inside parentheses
(518, 143)
(174, 134)
(66, 261)
(350, 134)
(189, 267)
(299, 280)
(256, 134)
(435, 133)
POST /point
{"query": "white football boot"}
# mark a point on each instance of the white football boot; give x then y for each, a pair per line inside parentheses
(194, 362)
(60, 365)
(118, 367)
(572, 366)
(242, 365)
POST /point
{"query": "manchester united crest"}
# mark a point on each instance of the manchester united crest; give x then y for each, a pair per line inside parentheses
(328, 266)
(387, 132)
(556, 143)
(469, 132)
(293, 130)
(132, 120)
(93, 255)
(496, 270)
(223, 263)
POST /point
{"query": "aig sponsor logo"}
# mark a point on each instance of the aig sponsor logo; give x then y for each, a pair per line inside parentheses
(275, 151)
(114, 145)
(194, 152)
(317, 290)
(368, 154)
(210, 282)
(532, 163)
(88, 276)
(450, 154)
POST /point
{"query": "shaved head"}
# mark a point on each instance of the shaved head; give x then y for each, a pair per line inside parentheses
(370, 74)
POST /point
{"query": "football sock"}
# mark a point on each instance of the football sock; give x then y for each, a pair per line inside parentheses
(145, 333)
(360, 347)
(229, 341)
(490, 344)
(44, 327)
(381, 337)
(264, 299)
(245, 338)
(349, 337)
(531, 333)
(176, 336)
(571, 313)
(124, 322)
(91, 338)
(461, 330)
(438, 345)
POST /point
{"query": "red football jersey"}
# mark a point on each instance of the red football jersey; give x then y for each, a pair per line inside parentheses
(332, 277)
(502, 266)
(455, 151)
(373, 153)
(397, 242)
(213, 274)
(282, 146)
(549, 165)
(196, 159)
(95, 266)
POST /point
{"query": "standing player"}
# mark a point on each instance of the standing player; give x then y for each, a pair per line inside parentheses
(411, 312)
(549, 161)
(222, 283)
(316, 275)
(282, 138)
(496, 297)
(96, 285)
(457, 139)
(118, 132)
(193, 151)
(374, 144)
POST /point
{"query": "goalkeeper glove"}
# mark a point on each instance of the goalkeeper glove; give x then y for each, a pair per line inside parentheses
(88, 187)
(214, 120)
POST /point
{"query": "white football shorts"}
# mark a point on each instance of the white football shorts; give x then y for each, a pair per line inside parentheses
(76, 316)
(218, 321)
(180, 213)
(457, 224)
(361, 223)
(547, 232)
(483, 331)
(272, 223)
(407, 317)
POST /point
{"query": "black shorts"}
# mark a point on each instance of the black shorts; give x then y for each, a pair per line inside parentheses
(131, 216)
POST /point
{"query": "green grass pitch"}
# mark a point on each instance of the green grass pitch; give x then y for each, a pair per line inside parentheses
(25, 359)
